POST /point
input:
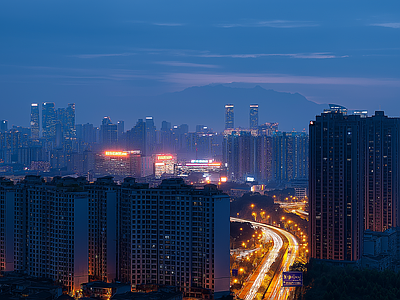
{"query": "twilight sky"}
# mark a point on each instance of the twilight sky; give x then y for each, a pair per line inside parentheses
(105, 55)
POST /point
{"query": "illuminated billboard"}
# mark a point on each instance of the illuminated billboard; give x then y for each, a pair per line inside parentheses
(115, 153)
(165, 157)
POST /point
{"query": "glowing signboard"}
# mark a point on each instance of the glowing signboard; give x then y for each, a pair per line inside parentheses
(223, 179)
(204, 165)
(164, 157)
(115, 153)
(293, 278)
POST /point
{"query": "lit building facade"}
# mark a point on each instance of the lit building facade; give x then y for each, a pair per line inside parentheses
(35, 123)
(354, 181)
(229, 117)
(118, 163)
(48, 120)
(164, 164)
(174, 235)
(72, 232)
(200, 166)
(253, 116)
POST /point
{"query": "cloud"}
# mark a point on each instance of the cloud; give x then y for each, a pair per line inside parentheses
(185, 64)
(320, 55)
(273, 24)
(389, 25)
(168, 24)
(103, 55)
(190, 79)
(155, 23)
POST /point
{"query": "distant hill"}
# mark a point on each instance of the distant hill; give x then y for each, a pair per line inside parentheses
(204, 105)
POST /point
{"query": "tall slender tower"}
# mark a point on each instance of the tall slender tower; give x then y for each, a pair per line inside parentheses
(35, 127)
(229, 117)
(49, 120)
(253, 116)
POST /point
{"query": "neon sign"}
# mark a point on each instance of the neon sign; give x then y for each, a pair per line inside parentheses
(115, 153)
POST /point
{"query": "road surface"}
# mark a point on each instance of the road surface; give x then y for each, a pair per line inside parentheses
(275, 290)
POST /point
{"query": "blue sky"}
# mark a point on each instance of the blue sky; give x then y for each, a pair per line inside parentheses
(112, 53)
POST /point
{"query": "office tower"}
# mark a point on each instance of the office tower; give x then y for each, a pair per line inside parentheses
(35, 127)
(3, 125)
(136, 137)
(354, 181)
(108, 133)
(150, 136)
(69, 126)
(174, 235)
(164, 164)
(165, 126)
(120, 129)
(48, 120)
(253, 116)
(118, 163)
(229, 117)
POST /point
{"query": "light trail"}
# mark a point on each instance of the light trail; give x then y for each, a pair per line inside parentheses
(275, 290)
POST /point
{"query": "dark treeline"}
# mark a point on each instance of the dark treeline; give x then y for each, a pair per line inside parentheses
(334, 283)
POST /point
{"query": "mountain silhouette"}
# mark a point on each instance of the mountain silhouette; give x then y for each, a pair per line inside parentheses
(205, 105)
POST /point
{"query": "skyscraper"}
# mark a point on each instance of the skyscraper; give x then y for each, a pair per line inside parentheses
(174, 235)
(381, 164)
(150, 136)
(335, 187)
(48, 120)
(120, 129)
(354, 181)
(35, 127)
(109, 133)
(229, 117)
(3, 125)
(253, 116)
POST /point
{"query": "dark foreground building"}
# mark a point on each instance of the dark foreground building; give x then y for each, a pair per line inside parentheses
(354, 181)
(73, 232)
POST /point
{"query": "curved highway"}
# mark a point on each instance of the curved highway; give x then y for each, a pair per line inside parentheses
(275, 290)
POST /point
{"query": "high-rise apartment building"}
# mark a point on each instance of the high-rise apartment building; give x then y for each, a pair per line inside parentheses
(381, 167)
(52, 230)
(174, 235)
(73, 231)
(253, 116)
(353, 181)
(229, 116)
(49, 120)
(35, 124)
(7, 225)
